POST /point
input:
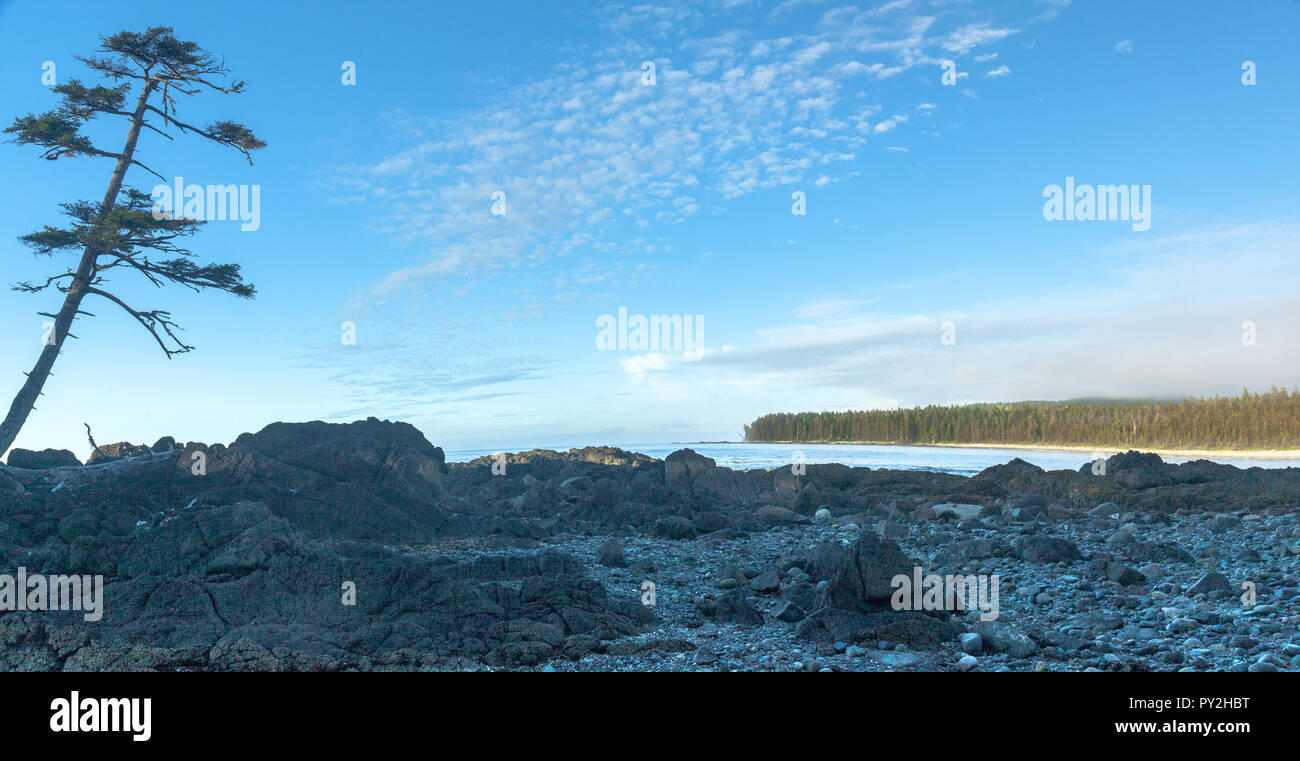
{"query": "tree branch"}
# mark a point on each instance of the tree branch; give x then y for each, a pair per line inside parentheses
(152, 322)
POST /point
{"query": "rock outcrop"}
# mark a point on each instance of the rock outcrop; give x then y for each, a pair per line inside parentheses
(853, 602)
(47, 458)
(315, 546)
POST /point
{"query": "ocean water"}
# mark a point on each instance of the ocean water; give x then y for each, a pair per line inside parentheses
(960, 460)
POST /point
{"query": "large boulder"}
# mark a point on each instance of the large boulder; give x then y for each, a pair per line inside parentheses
(1138, 470)
(1015, 477)
(1046, 549)
(46, 458)
(854, 603)
(731, 607)
(611, 554)
(1004, 638)
(959, 511)
(370, 479)
(116, 451)
(775, 515)
(685, 465)
(674, 527)
(786, 481)
(368, 451)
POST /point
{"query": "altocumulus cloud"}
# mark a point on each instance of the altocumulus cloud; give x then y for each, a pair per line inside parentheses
(588, 155)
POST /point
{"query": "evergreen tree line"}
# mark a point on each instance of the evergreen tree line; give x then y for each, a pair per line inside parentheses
(1251, 421)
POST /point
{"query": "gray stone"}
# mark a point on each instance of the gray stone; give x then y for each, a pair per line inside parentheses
(1120, 539)
(961, 511)
(1124, 574)
(1211, 581)
(611, 554)
(1005, 638)
(775, 515)
(1223, 523)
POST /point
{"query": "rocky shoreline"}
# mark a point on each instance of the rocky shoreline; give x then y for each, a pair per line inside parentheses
(245, 557)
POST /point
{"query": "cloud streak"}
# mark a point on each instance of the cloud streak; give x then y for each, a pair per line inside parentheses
(1168, 321)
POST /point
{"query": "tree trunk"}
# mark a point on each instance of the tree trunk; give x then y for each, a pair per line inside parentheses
(25, 400)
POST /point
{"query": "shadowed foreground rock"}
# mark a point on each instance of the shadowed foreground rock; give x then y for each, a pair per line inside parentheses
(236, 587)
(247, 556)
(854, 602)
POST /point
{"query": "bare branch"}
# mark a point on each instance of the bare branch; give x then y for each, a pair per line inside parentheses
(153, 321)
(93, 445)
(27, 287)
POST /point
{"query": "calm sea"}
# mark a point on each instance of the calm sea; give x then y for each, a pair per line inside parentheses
(965, 461)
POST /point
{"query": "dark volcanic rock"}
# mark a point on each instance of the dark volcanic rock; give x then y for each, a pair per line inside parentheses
(1005, 638)
(46, 458)
(1221, 524)
(1156, 552)
(1137, 470)
(116, 451)
(320, 547)
(973, 549)
(775, 515)
(1210, 581)
(1124, 574)
(732, 608)
(685, 465)
(674, 527)
(766, 583)
(237, 587)
(1016, 477)
(854, 603)
(1043, 549)
(366, 480)
(611, 554)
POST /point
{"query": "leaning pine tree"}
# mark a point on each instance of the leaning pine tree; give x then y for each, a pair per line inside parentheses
(124, 231)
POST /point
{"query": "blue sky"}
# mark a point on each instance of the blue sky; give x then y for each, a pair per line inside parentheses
(924, 206)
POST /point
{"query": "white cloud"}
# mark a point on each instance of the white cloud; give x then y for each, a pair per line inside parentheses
(971, 36)
(1052, 8)
(587, 152)
(889, 124)
(644, 363)
(1152, 317)
(1001, 71)
(1124, 46)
